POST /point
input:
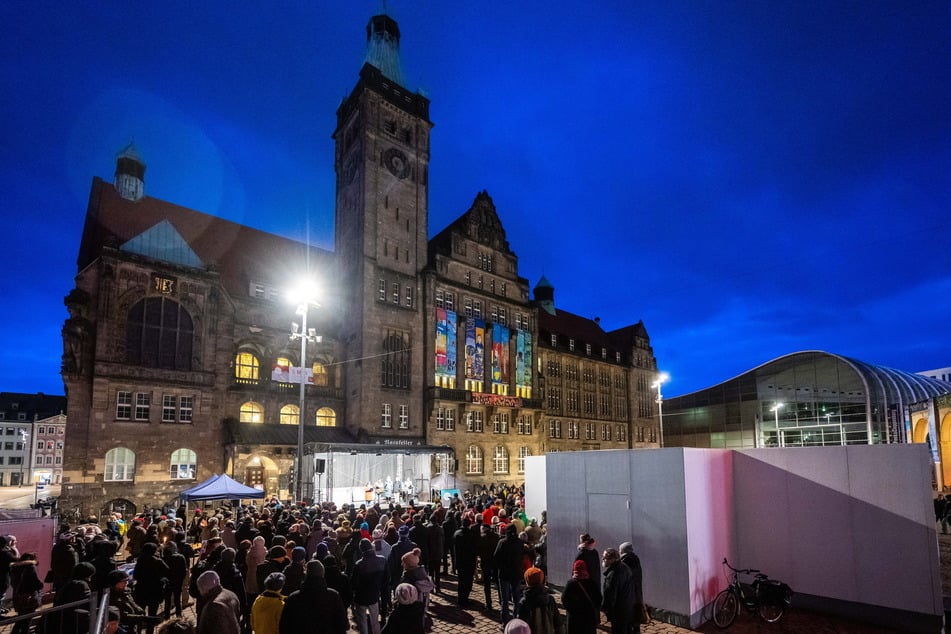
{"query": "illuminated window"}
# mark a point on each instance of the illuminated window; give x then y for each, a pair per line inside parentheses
(120, 465)
(251, 412)
(246, 367)
(474, 459)
(500, 463)
(320, 374)
(290, 415)
(182, 465)
(326, 417)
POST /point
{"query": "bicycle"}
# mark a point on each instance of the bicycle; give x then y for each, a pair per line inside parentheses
(767, 597)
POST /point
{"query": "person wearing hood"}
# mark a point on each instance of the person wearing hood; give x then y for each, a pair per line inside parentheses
(337, 580)
(407, 617)
(230, 576)
(538, 607)
(369, 580)
(257, 555)
(27, 586)
(403, 545)
(295, 571)
(314, 603)
(221, 611)
(75, 589)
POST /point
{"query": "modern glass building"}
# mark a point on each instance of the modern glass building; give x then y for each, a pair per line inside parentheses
(801, 399)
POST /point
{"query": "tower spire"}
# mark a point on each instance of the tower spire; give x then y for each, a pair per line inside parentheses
(130, 174)
(383, 47)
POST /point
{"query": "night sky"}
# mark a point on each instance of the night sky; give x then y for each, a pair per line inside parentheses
(750, 179)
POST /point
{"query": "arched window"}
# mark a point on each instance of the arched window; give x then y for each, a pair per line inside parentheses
(159, 334)
(326, 417)
(120, 465)
(500, 463)
(182, 466)
(523, 452)
(320, 374)
(290, 415)
(251, 412)
(247, 368)
(395, 364)
(474, 459)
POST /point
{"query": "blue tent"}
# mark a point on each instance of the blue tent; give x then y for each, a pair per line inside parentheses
(221, 487)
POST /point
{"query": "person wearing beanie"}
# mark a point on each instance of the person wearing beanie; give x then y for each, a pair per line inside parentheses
(75, 589)
(276, 562)
(633, 562)
(415, 573)
(538, 607)
(177, 571)
(267, 608)
(120, 598)
(369, 581)
(314, 602)
(517, 626)
(294, 573)
(221, 610)
(407, 617)
(582, 600)
(509, 560)
(400, 548)
(230, 576)
(337, 580)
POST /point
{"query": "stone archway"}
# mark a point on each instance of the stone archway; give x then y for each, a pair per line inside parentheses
(919, 430)
(118, 505)
(260, 471)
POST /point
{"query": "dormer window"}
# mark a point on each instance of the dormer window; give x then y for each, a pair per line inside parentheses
(554, 340)
(587, 349)
(571, 345)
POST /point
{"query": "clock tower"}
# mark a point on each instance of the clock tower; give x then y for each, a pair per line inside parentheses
(382, 168)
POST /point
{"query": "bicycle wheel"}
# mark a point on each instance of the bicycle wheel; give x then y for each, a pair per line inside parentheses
(724, 608)
(771, 611)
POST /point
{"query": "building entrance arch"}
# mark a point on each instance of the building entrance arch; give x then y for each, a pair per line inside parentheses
(119, 505)
(944, 448)
(919, 430)
(261, 472)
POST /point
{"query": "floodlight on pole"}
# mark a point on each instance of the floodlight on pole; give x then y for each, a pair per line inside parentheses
(775, 410)
(304, 295)
(662, 378)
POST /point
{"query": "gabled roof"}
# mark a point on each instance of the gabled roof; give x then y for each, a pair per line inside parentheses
(237, 252)
(480, 223)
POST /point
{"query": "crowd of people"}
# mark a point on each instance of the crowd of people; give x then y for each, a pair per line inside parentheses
(273, 569)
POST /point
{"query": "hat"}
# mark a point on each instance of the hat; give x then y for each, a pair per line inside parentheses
(406, 594)
(411, 559)
(83, 570)
(321, 550)
(315, 569)
(534, 577)
(276, 552)
(511, 529)
(274, 582)
(517, 626)
(116, 576)
(228, 555)
(377, 534)
(578, 566)
(299, 553)
(586, 539)
(403, 531)
(365, 545)
(626, 548)
(208, 581)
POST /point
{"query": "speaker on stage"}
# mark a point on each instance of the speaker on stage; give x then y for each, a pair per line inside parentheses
(320, 465)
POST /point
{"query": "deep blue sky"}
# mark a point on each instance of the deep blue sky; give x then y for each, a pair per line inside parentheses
(750, 179)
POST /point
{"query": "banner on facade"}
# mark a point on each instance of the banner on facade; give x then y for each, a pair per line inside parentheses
(523, 359)
(445, 343)
(500, 355)
(475, 349)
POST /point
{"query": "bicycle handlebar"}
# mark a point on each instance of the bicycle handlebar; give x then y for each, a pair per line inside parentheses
(745, 571)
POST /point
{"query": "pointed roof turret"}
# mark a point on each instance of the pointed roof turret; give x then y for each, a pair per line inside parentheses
(383, 47)
(545, 295)
(130, 173)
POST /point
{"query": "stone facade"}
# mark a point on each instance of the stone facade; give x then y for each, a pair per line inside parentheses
(178, 319)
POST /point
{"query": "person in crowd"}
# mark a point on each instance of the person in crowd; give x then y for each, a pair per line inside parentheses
(517, 626)
(407, 617)
(314, 603)
(103, 558)
(63, 559)
(633, 562)
(369, 579)
(176, 625)
(135, 538)
(27, 586)
(294, 573)
(465, 547)
(435, 550)
(120, 598)
(581, 599)
(589, 554)
(268, 606)
(276, 562)
(7, 557)
(75, 589)
(177, 571)
(617, 599)
(151, 578)
(415, 573)
(337, 580)
(230, 576)
(509, 560)
(400, 548)
(488, 542)
(221, 610)
(538, 607)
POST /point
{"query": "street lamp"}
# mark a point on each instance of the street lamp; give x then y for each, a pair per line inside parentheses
(775, 410)
(24, 438)
(304, 296)
(662, 378)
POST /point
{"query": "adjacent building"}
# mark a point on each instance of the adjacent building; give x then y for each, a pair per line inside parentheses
(427, 360)
(20, 425)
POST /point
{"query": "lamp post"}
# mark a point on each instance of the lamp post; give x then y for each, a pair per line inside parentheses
(303, 296)
(24, 437)
(662, 378)
(775, 410)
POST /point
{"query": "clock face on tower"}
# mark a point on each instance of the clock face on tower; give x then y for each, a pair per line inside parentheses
(396, 162)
